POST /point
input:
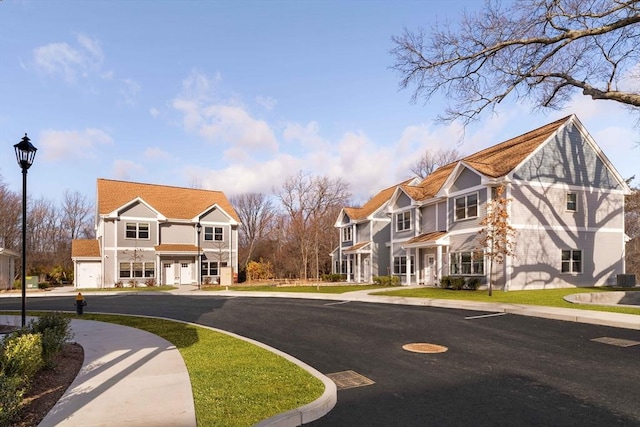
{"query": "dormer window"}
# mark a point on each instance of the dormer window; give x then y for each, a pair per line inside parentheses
(403, 221)
(346, 234)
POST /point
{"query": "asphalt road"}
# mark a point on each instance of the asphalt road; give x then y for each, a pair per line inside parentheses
(499, 370)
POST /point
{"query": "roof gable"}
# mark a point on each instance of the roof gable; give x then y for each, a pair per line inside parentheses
(85, 248)
(171, 202)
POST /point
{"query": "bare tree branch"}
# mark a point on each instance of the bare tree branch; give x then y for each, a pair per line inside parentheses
(542, 50)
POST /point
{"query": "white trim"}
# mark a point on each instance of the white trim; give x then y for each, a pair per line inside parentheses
(564, 186)
(568, 229)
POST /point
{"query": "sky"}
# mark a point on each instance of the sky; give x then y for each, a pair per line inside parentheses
(237, 96)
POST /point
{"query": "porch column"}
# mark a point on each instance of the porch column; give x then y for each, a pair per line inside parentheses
(359, 267)
(348, 267)
(439, 263)
(408, 273)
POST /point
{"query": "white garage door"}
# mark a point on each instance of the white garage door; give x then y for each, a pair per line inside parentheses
(88, 275)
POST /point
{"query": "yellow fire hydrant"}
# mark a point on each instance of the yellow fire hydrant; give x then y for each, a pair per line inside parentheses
(80, 303)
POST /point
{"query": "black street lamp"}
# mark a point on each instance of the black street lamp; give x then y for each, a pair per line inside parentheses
(199, 264)
(25, 153)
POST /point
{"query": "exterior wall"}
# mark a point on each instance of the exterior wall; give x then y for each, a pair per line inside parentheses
(466, 179)
(7, 271)
(177, 233)
(214, 216)
(428, 219)
(380, 251)
(470, 224)
(363, 232)
(568, 159)
(537, 262)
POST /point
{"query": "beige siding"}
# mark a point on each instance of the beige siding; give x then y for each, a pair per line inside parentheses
(177, 234)
(428, 220)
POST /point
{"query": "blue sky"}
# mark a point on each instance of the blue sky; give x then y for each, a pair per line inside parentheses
(237, 95)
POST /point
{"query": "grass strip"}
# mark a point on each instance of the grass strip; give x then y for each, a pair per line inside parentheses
(543, 297)
(234, 382)
(309, 289)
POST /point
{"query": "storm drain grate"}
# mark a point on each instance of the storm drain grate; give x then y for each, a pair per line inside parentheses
(616, 341)
(349, 379)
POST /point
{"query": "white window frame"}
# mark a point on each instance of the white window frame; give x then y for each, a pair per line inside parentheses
(401, 218)
(140, 227)
(466, 207)
(347, 235)
(572, 202)
(457, 263)
(137, 269)
(213, 234)
(569, 260)
(400, 264)
(211, 268)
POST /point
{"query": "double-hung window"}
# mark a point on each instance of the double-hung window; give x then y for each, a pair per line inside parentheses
(346, 234)
(468, 263)
(400, 265)
(466, 207)
(137, 230)
(212, 268)
(213, 234)
(403, 221)
(572, 202)
(129, 270)
(571, 261)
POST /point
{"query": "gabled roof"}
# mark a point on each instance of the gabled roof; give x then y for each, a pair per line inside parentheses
(373, 204)
(85, 248)
(358, 247)
(495, 161)
(171, 202)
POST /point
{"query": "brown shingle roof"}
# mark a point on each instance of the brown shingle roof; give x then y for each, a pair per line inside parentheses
(172, 202)
(495, 161)
(85, 248)
(374, 203)
(356, 247)
(427, 237)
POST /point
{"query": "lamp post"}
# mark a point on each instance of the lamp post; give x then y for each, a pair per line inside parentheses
(25, 153)
(199, 263)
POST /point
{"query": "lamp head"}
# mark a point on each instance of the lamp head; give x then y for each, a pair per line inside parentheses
(25, 152)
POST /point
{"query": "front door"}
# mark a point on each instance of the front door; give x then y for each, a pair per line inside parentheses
(430, 270)
(185, 273)
(168, 276)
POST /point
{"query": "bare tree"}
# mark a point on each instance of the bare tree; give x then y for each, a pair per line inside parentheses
(496, 235)
(10, 217)
(432, 160)
(632, 229)
(542, 50)
(76, 214)
(256, 212)
(307, 200)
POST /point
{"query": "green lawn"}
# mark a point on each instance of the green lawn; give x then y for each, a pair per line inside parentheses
(130, 289)
(310, 289)
(234, 383)
(547, 297)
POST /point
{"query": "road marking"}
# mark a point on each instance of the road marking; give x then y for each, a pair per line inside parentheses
(337, 303)
(485, 315)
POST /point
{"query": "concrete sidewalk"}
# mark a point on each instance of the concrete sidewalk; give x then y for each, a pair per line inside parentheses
(129, 377)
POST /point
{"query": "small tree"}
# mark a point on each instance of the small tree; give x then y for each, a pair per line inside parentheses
(496, 235)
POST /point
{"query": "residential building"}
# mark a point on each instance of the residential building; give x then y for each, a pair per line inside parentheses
(566, 206)
(8, 260)
(148, 233)
(364, 235)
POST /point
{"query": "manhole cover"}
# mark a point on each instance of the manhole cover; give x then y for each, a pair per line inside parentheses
(349, 379)
(616, 341)
(422, 347)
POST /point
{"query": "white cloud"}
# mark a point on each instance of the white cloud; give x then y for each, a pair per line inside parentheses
(266, 102)
(129, 91)
(65, 145)
(127, 170)
(225, 123)
(308, 136)
(155, 153)
(67, 61)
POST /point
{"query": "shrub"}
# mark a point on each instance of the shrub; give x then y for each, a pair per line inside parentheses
(207, 281)
(54, 329)
(118, 284)
(472, 283)
(151, 282)
(386, 280)
(11, 392)
(21, 354)
(445, 282)
(334, 277)
(457, 283)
